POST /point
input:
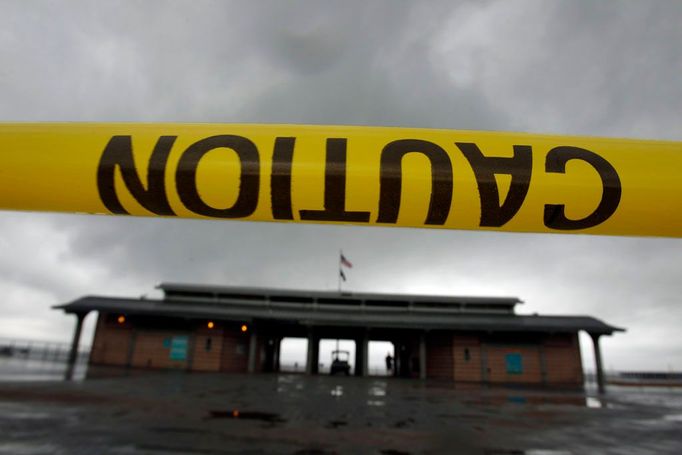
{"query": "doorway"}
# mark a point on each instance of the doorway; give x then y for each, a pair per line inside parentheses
(377, 362)
(328, 354)
(292, 355)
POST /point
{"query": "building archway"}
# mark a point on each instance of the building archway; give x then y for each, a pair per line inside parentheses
(378, 351)
(292, 355)
(326, 349)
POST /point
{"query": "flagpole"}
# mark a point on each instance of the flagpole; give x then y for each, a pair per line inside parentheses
(338, 277)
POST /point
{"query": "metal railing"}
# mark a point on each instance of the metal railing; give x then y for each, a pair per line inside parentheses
(48, 351)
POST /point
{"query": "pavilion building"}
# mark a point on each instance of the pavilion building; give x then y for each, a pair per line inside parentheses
(239, 330)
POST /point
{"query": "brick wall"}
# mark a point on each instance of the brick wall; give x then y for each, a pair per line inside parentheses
(459, 357)
(439, 357)
(497, 368)
(123, 345)
(208, 348)
(467, 358)
(151, 350)
(111, 344)
(562, 357)
(235, 351)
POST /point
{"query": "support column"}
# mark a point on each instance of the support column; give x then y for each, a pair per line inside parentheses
(598, 362)
(253, 351)
(362, 355)
(313, 357)
(396, 358)
(422, 355)
(358, 357)
(278, 346)
(73, 354)
(365, 355)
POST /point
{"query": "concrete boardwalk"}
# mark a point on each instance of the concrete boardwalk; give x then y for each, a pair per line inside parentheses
(178, 413)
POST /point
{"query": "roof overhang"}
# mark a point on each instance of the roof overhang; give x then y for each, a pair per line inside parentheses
(171, 288)
(343, 317)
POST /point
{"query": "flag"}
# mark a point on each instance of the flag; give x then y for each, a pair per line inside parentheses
(343, 275)
(346, 262)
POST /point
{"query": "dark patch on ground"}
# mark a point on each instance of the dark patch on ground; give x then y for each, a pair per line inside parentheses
(313, 452)
(236, 414)
(336, 424)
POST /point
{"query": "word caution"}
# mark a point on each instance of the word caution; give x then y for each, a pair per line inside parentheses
(151, 191)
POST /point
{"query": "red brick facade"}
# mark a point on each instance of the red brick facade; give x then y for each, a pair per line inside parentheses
(221, 348)
(235, 352)
(547, 359)
(207, 350)
(461, 357)
(439, 358)
(466, 355)
(111, 345)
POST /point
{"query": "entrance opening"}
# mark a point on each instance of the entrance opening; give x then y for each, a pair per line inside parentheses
(378, 351)
(328, 355)
(293, 353)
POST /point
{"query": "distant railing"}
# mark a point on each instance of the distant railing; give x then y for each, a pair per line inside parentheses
(51, 351)
(651, 375)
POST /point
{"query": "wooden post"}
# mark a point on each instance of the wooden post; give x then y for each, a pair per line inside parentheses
(73, 354)
(422, 355)
(598, 363)
(253, 351)
(312, 354)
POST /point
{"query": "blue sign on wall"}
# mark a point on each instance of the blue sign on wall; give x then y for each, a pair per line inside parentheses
(178, 347)
(514, 363)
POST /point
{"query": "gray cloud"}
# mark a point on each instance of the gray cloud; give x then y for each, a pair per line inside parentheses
(608, 68)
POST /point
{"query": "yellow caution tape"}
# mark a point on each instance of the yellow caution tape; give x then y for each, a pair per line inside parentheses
(336, 174)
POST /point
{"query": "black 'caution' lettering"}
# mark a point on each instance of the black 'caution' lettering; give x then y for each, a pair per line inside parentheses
(391, 178)
(555, 216)
(249, 183)
(118, 154)
(519, 166)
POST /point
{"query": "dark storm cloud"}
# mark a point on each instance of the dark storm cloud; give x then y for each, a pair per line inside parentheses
(573, 67)
(608, 68)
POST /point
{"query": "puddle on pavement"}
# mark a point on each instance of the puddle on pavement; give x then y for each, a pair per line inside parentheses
(236, 414)
(403, 423)
(313, 452)
(336, 423)
(527, 452)
(178, 430)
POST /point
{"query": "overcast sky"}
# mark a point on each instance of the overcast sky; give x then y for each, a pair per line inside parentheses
(608, 68)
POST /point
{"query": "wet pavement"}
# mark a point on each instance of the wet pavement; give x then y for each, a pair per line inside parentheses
(179, 413)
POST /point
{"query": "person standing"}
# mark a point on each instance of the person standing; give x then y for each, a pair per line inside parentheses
(389, 363)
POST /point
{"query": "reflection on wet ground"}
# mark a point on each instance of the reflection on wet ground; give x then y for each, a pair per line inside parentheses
(174, 412)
